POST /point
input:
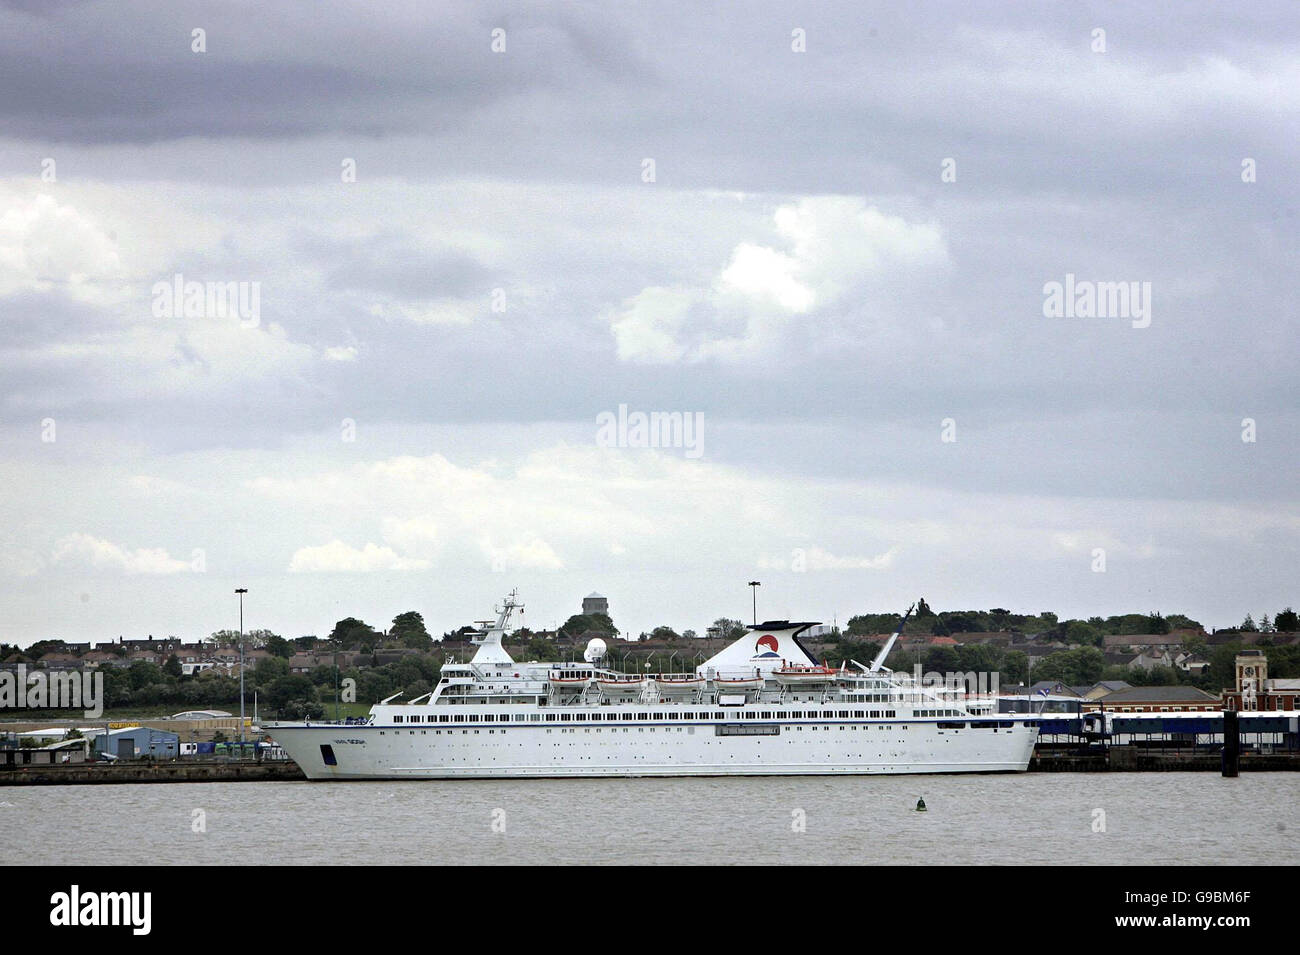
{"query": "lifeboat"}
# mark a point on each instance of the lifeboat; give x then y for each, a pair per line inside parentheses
(799, 675)
(560, 681)
(620, 686)
(739, 684)
(681, 685)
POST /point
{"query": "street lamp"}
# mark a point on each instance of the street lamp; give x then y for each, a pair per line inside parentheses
(753, 589)
(241, 591)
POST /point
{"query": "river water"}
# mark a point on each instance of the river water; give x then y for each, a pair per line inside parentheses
(1040, 818)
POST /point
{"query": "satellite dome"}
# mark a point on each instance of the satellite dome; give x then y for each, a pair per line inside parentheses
(595, 650)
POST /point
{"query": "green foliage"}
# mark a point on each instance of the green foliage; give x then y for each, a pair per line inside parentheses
(729, 629)
(1286, 621)
(1082, 665)
(665, 633)
(173, 667)
(1079, 632)
(269, 670)
(280, 646)
(580, 623)
(143, 674)
(353, 634)
(408, 629)
(295, 687)
(1015, 667)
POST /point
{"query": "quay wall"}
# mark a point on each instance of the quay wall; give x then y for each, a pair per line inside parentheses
(152, 771)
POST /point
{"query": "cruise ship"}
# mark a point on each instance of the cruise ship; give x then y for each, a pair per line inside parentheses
(761, 706)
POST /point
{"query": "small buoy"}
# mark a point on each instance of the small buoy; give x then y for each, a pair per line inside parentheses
(920, 804)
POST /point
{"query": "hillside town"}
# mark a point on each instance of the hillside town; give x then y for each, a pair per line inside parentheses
(1143, 659)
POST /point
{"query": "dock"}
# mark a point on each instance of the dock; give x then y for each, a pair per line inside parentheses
(152, 771)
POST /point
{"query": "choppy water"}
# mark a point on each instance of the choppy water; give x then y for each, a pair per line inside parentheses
(1049, 818)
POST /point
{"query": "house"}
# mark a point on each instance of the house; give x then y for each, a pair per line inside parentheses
(1152, 658)
(1155, 699)
(103, 658)
(1191, 663)
(1105, 688)
(57, 660)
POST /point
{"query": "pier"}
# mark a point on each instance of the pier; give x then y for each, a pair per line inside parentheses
(152, 771)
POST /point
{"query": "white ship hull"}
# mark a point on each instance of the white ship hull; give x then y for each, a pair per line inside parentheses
(806, 748)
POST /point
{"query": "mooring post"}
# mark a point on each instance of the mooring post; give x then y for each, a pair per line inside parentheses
(1231, 743)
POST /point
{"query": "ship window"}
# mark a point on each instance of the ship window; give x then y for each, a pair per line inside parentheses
(719, 716)
(327, 754)
(397, 719)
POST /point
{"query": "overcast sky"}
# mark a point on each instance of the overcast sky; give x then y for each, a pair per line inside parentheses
(824, 228)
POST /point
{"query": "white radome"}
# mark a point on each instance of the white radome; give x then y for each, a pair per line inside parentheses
(595, 650)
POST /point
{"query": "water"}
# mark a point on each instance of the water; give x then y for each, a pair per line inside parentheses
(1042, 818)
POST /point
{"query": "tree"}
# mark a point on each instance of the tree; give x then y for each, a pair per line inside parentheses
(1081, 665)
(293, 688)
(270, 669)
(1249, 624)
(923, 608)
(353, 634)
(173, 667)
(144, 674)
(580, 623)
(408, 628)
(259, 638)
(1078, 632)
(665, 633)
(1266, 625)
(279, 646)
(729, 629)
(1286, 621)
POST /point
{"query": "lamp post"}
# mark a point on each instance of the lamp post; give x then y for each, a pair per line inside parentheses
(241, 591)
(753, 589)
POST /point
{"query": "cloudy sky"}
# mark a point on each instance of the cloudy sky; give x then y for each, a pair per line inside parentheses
(463, 232)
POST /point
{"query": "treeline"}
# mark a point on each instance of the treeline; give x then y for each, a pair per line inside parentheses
(1000, 620)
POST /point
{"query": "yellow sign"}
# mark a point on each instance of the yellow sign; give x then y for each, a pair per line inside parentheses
(122, 726)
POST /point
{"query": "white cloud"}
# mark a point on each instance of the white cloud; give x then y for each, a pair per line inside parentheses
(833, 245)
(46, 244)
(337, 557)
(98, 554)
(533, 553)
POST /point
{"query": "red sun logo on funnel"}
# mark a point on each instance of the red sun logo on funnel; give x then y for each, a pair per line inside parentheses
(766, 646)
